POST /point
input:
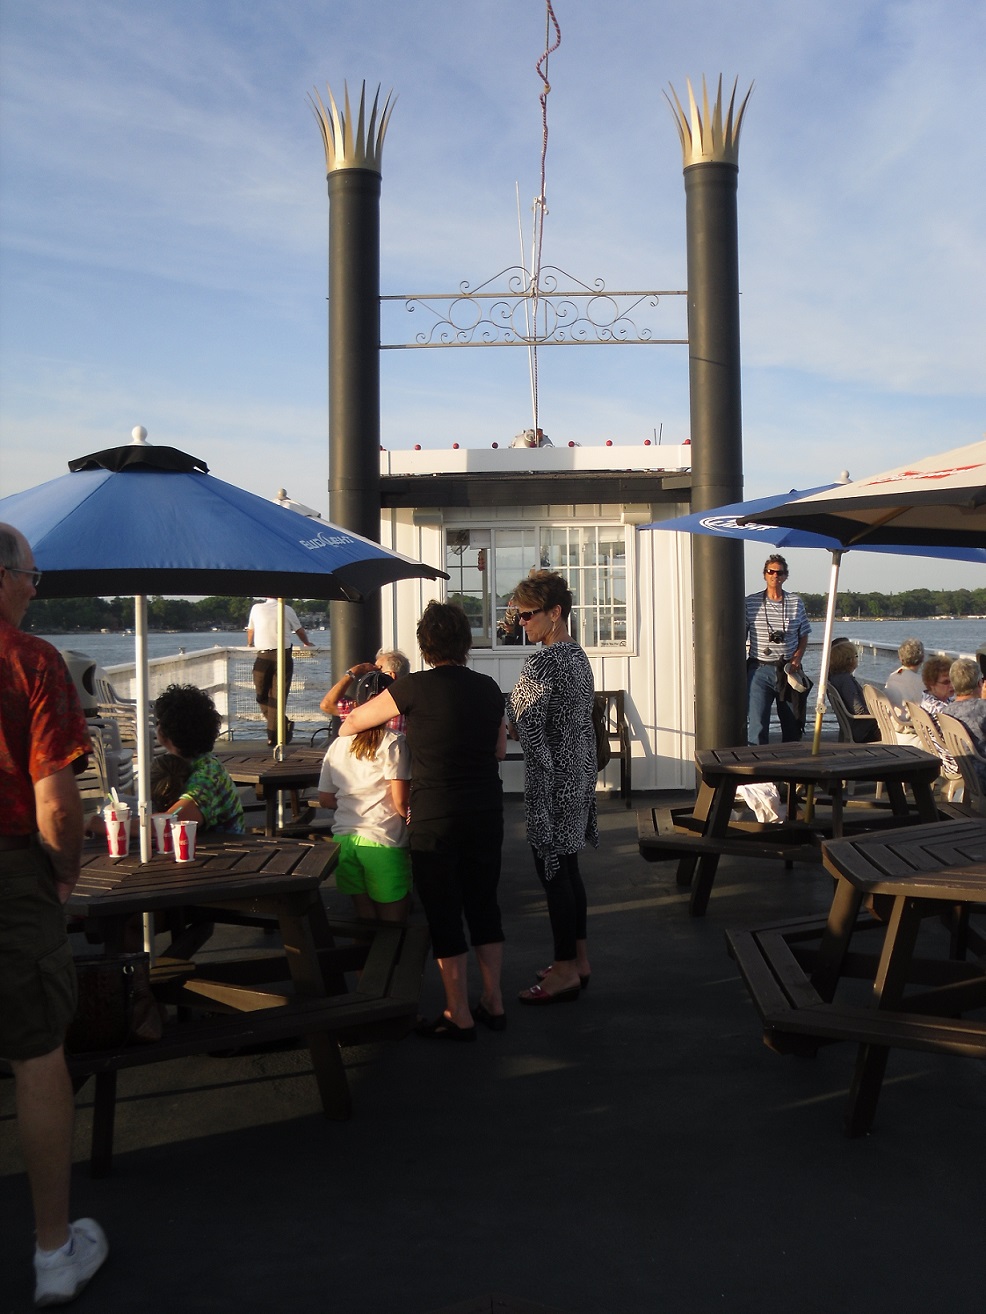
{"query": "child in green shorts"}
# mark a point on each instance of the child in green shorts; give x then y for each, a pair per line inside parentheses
(366, 779)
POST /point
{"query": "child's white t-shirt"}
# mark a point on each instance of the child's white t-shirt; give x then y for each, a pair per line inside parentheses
(362, 789)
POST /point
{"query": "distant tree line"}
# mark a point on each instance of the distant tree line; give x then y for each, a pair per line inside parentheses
(65, 615)
(912, 604)
(85, 615)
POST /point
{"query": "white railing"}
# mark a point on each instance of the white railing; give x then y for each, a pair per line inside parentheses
(226, 674)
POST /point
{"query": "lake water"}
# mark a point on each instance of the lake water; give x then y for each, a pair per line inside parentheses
(958, 636)
(876, 662)
(234, 687)
(118, 649)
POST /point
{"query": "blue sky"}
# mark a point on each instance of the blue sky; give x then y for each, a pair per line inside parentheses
(163, 227)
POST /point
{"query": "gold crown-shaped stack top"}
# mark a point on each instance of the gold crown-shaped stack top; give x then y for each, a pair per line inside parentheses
(344, 147)
(705, 139)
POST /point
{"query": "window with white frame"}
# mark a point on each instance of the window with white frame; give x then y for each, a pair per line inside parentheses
(485, 566)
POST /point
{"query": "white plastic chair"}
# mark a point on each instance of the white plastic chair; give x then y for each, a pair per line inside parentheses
(880, 706)
(848, 721)
(962, 747)
(930, 737)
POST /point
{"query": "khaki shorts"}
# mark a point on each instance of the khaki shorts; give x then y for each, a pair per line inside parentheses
(37, 977)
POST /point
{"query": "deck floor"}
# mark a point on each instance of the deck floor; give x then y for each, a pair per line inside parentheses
(637, 1151)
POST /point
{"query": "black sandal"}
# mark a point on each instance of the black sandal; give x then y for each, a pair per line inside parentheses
(495, 1021)
(443, 1028)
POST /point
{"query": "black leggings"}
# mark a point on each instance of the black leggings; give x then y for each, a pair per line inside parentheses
(456, 869)
(567, 904)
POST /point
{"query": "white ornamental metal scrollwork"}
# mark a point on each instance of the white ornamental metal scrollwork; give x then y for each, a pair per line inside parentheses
(509, 310)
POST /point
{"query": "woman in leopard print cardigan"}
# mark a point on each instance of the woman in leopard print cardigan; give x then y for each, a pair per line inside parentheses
(550, 712)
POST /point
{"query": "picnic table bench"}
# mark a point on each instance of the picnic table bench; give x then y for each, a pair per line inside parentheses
(237, 1002)
(698, 837)
(795, 971)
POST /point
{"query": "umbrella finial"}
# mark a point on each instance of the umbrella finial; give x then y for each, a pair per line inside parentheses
(138, 433)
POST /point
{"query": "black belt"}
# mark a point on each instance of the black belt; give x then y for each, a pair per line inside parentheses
(8, 842)
(269, 652)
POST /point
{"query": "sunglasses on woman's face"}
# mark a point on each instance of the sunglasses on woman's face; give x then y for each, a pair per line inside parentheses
(526, 615)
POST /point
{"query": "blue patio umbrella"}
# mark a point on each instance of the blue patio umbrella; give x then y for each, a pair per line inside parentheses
(751, 521)
(140, 519)
(144, 519)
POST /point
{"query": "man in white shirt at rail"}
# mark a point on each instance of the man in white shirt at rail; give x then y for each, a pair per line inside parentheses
(262, 635)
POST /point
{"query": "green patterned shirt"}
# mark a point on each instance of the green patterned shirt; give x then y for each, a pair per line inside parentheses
(214, 794)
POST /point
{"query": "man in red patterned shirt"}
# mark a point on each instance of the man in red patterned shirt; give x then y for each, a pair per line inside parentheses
(43, 743)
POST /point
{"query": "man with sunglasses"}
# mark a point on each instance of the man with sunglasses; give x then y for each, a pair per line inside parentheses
(777, 632)
(44, 743)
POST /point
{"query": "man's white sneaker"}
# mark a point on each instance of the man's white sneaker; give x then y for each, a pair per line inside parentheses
(61, 1275)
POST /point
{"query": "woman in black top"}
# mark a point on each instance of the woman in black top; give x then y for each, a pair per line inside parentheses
(457, 735)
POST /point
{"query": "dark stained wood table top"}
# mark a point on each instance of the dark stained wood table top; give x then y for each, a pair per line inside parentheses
(834, 761)
(255, 764)
(946, 860)
(229, 867)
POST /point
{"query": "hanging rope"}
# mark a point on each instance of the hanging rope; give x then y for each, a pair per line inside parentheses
(541, 200)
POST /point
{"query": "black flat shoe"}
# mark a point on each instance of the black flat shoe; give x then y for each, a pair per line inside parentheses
(495, 1021)
(444, 1028)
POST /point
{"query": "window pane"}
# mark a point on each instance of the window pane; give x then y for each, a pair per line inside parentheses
(467, 560)
(515, 554)
(485, 567)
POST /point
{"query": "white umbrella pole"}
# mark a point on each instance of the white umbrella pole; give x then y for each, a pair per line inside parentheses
(279, 750)
(281, 728)
(143, 751)
(823, 674)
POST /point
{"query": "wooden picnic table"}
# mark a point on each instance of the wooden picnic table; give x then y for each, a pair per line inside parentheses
(699, 838)
(255, 764)
(236, 1002)
(797, 972)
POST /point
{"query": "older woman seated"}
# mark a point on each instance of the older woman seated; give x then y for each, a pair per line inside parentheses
(969, 706)
(937, 696)
(905, 683)
(843, 661)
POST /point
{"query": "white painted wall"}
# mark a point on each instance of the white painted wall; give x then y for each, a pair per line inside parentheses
(656, 670)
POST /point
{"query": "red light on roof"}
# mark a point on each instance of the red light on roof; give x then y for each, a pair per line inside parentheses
(571, 443)
(609, 442)
(455, 447)
(647, 442)
(496, 444)
(417, 447)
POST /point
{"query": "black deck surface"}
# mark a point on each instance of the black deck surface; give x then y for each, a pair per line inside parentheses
(639, 1151)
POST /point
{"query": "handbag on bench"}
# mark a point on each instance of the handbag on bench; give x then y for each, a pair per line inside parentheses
(116, 1005)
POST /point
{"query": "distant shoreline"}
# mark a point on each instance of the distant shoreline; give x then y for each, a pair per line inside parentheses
(891, 620)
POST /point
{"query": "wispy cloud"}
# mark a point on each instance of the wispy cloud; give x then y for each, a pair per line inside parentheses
(163, 220)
